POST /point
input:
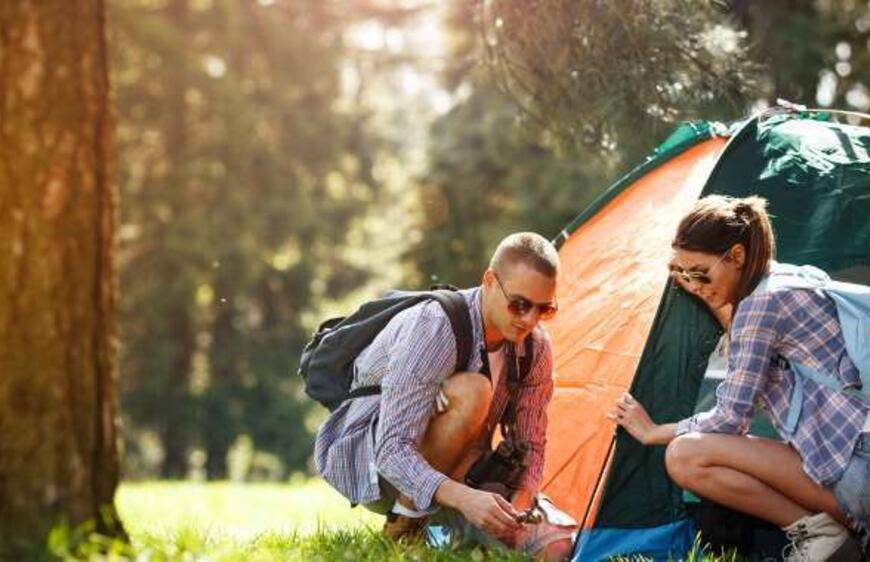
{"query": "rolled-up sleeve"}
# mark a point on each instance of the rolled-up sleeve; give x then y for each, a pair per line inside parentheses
(422, 354)
(752, 349)
(532, 400)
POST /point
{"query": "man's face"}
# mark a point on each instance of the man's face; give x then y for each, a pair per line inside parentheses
(518, 298)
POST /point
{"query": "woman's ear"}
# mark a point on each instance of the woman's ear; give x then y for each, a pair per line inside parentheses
(738, 255)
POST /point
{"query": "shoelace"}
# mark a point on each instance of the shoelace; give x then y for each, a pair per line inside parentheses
(796, 548)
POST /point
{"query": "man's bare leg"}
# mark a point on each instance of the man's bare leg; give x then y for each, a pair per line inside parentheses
(448, 439)
(451, 434)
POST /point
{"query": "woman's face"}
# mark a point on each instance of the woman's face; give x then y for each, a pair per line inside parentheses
(711, 277)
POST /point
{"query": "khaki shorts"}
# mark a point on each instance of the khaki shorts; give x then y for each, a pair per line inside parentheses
(389, 495)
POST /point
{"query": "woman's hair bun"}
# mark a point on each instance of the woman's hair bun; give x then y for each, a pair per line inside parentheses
(750, 208)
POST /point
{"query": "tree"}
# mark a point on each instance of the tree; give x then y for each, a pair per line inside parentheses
(242, 168)
(813, 53)
(490, 170)
(617, 75)
(58, 455)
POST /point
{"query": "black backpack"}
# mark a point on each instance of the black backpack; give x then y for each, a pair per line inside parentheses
(327, 360)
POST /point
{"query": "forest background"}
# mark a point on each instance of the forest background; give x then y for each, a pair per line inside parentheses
(279, 161)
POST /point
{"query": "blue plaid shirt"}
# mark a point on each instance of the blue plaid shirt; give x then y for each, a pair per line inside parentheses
(801, 326)
(380, 435)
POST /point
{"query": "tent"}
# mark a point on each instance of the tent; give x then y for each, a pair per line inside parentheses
(623, 325)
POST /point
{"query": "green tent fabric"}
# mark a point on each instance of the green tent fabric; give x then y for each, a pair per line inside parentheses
(815, 173)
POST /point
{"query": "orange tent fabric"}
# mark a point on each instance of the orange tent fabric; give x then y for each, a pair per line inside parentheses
(613, 275)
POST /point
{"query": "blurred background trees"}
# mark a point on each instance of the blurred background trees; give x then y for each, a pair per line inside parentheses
(280, 160)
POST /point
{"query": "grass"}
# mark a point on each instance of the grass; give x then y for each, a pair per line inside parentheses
(223, 522)
(237, 512)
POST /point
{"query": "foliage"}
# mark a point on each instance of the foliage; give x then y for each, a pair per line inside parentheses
(242, 174)
(617, 74)
(815, 53)
(490, 170)
(487, 177)
(272, 172)
(587, 90)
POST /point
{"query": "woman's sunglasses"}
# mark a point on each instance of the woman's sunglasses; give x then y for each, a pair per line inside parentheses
(520, 306)
(690, 276)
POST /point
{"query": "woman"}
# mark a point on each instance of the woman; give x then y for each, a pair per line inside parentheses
(816, 483)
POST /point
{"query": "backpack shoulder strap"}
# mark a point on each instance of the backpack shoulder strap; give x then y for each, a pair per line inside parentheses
(528, 357)
(516, 374)
(456, 308)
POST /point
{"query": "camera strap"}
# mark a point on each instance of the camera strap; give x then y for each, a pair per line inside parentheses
(518, 369)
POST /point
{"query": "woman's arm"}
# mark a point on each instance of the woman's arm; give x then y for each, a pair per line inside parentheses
(630, 414)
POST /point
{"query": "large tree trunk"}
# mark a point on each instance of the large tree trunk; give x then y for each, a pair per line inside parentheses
(58, 407)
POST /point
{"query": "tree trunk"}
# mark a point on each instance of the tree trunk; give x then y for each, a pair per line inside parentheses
(58, 406)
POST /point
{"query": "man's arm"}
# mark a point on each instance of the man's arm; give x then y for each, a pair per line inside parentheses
(421, 355)
(532, 401)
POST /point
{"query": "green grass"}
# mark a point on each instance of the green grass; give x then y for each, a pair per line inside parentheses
(223, 522)
(237, 512)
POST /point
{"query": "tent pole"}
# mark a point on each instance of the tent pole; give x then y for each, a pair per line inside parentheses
(596, 489)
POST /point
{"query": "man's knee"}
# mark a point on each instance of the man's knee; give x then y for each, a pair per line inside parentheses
(683, 459)
(469, 395)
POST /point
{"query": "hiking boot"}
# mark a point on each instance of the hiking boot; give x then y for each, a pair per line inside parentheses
(819, 538)
(404, 528)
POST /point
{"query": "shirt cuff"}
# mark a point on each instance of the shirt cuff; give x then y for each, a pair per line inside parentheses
(684, 426)
(424, 496)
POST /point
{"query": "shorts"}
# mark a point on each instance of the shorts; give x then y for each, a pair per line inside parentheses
(389, 495)
(853, 489)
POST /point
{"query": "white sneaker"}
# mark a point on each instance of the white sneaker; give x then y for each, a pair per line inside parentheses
(819, 538)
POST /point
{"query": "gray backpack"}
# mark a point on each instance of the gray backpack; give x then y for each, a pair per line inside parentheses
(327, 360)
(853, 313)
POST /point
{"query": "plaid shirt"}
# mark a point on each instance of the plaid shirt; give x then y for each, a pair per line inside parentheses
(801, 326)
(380, 435)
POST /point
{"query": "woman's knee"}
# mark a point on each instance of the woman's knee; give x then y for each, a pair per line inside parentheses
(683, 459)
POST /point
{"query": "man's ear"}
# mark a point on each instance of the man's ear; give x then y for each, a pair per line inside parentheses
(488, 277)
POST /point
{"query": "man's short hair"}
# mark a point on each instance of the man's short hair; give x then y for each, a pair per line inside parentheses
(528, 248)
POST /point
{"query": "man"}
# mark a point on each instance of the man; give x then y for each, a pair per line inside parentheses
(405, 451)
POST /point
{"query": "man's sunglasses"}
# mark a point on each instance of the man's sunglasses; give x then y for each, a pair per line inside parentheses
(520, 306)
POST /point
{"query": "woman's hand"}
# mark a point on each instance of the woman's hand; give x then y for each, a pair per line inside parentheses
(629, 413)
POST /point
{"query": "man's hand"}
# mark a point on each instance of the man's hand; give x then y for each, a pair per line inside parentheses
(491, 513)
(523, 499)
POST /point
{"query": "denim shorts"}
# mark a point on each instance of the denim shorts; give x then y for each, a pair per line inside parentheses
(853, 488)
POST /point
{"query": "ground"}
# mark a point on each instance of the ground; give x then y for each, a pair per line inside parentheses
(303, 521)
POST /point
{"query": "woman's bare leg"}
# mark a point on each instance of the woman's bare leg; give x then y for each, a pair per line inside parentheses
(753, 475)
